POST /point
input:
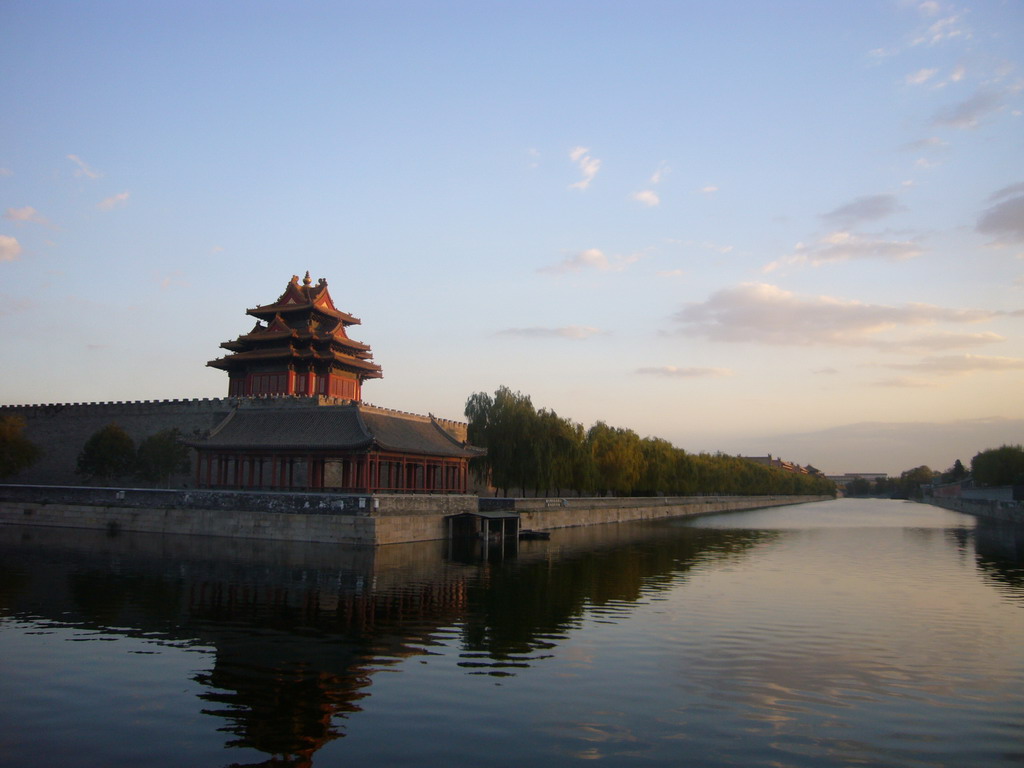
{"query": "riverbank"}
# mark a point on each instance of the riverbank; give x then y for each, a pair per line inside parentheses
(990, 509)
(336, 518)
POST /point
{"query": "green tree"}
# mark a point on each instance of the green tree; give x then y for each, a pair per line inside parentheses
(109, 453)
(999, 466)
(161, 456)
(618, 458)
(957, 472)
(910, 482)
(17, 452)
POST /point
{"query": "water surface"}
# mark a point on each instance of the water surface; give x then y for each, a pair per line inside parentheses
(844, 633)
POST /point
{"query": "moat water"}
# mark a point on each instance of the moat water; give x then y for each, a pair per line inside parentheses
(846, 633)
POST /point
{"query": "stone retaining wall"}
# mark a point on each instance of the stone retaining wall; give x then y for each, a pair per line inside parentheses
(1005, 511)
(548, 514)
(381, 519)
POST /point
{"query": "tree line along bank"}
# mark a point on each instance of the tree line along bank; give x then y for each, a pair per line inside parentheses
(539, 452)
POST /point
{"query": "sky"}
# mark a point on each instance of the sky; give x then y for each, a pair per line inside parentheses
(793, 228)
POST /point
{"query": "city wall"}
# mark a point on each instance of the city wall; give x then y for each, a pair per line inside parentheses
(549, 514)
(351, 519)
(62, 429)
(348, 519)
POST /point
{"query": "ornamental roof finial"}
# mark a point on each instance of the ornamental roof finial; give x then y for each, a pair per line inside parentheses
(307, 279)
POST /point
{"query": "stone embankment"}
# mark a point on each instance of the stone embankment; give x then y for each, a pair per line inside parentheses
(549, 514)
(339, 518)
(990, 509)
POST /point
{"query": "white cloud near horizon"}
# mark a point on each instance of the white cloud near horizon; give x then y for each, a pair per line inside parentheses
(25, 215)
(83, 169)
(575, 332)
(846, 246)
(592, 258)
(10, 248)
(672, 371)
(114, 201)
(589, 166)
(961, 364)
(760, 313)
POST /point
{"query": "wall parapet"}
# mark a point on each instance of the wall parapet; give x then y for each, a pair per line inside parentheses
(278, 502)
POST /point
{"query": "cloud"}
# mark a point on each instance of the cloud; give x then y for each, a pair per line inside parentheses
(949, 365)
(942, 30)
(903, 382)
(1013, 189)
(10, 248)
(709, 190)
(113, 202)
(26, 214)
(926, 144)
(589, 166)
(662, 171)
(6, 172)
(673, 372)
(592, 258)
(576, 332)
(217, 249)
(647, 197)
(671, 273)
(920, 77)
(863, 209)
(846, 246)
(969, 113)
(83, 169)
(1005, 221)
(766, 314)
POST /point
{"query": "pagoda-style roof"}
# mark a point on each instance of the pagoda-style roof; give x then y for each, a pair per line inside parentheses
(348, 427)
(302, 327)
(303, 298)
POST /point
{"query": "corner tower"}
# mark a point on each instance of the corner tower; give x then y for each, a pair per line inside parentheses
(298, 346)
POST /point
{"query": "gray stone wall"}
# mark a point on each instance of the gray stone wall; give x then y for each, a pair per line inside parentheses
(61, 429)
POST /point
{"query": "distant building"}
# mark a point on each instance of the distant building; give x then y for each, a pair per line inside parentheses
(786, 466)
(842, 480)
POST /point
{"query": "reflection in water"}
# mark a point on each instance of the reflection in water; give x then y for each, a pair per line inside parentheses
(708, 629)
(299, 630)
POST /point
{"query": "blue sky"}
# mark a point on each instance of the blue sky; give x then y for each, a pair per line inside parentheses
(787, 227)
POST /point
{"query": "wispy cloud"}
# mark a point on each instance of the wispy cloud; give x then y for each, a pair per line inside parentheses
(1004, 220)
(970, 112)
(942, 30)
(25, 215)
(589, 166)
(903, 382)
(6, 172)
(592, 258)
(114, 201)
(863, 209)
(920, 77)
(575, 332)
(10, 248)
(83, 169)
(674, 372)
(846, 246)
(760, 313)
(949, 365)
(648, 197)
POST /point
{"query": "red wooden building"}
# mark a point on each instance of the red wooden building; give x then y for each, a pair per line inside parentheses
(299, 423)
(299, 346)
